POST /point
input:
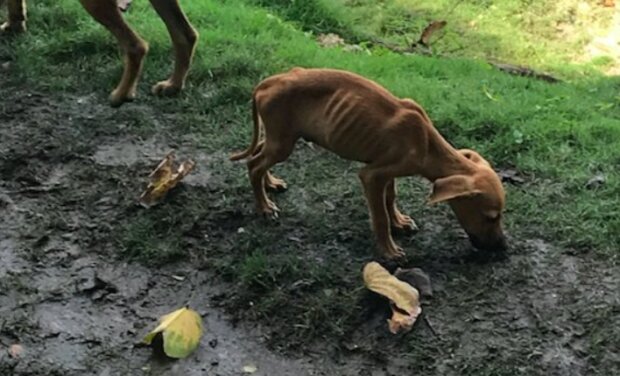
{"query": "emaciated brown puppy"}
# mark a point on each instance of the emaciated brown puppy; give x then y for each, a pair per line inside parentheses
(134, 48)
(360, 120)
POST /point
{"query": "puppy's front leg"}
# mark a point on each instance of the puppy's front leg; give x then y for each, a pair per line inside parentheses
(271, 182)
(374, 189)
(398, 220)
(134, 48)
(17, 17)
(184, 38)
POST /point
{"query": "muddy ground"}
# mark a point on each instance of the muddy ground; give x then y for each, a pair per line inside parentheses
(71, 169)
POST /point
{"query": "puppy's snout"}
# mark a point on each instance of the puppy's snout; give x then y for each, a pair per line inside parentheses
(502, 244)
(499, 244)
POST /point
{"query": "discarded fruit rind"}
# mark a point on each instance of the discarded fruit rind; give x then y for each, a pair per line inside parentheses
(401, 322)
(163, 179)
(404, 298)
(181, 329)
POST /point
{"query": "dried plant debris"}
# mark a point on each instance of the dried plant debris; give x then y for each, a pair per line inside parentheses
(429, 30)
(416, 278)
(165, 177)
(404, 298)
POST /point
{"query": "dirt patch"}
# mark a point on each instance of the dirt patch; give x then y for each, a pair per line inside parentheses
(64, 297)
(69, 180)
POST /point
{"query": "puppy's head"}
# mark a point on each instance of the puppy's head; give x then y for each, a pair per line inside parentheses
(478, 201)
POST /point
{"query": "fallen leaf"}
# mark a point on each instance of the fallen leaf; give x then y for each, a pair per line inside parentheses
(123, 5)
(164, 178)
(596, 181)
(429, 30)
(404, 298)
(330, 40)
(181, 332)
(15, 351)
(488, 94)
(250, 368)
(510, 175)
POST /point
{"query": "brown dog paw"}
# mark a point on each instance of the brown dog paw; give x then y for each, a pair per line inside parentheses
(166, 88)
(275, 184)
(269, 211)
(118, 98)
(393, 253)
(405, 224)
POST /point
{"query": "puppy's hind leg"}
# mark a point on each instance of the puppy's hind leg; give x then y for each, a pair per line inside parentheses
(134, 48)
(398, 220)
(258, 167)
(272, 183)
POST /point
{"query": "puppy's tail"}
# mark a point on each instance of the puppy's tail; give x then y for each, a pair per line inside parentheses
(250, 150)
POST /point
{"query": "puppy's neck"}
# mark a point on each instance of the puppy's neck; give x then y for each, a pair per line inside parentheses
(443, 160)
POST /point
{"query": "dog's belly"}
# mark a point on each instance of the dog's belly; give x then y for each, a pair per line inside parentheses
(355, 141)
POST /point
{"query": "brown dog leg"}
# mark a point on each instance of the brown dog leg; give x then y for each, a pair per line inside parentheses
(271, 182)
(184, 38)
(17, 17)
(134, 48)
(375, 183)
(275, 150)
(398, 220)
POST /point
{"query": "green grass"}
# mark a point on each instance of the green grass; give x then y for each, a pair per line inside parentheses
(547, 35)
(557, 135)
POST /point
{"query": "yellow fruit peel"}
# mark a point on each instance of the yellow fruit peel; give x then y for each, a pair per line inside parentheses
(181, 331)
(404, 298)
(164, 178)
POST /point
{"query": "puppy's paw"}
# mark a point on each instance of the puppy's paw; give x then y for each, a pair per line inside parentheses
(12, 27)
(405, 224)
(118, 98)
(275, 184)
(270, 211)
(393, 253)
(166, 88)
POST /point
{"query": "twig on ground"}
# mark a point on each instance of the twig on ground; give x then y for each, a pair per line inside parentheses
(430, 326)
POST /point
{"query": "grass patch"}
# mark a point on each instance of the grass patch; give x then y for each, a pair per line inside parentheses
(547, 35)
(143, 240)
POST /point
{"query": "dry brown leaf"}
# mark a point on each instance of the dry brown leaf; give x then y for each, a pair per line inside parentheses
(404, 298)
(123, 5)
(164, 178)
(429, 30)
(609, 3)
(330, 40)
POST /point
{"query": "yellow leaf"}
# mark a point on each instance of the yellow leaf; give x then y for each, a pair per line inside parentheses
(181, 332)
(164, 178)
(404, 298)
(488, 94)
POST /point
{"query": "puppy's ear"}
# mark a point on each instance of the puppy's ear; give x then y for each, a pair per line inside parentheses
(451, 187)
(473, 156)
